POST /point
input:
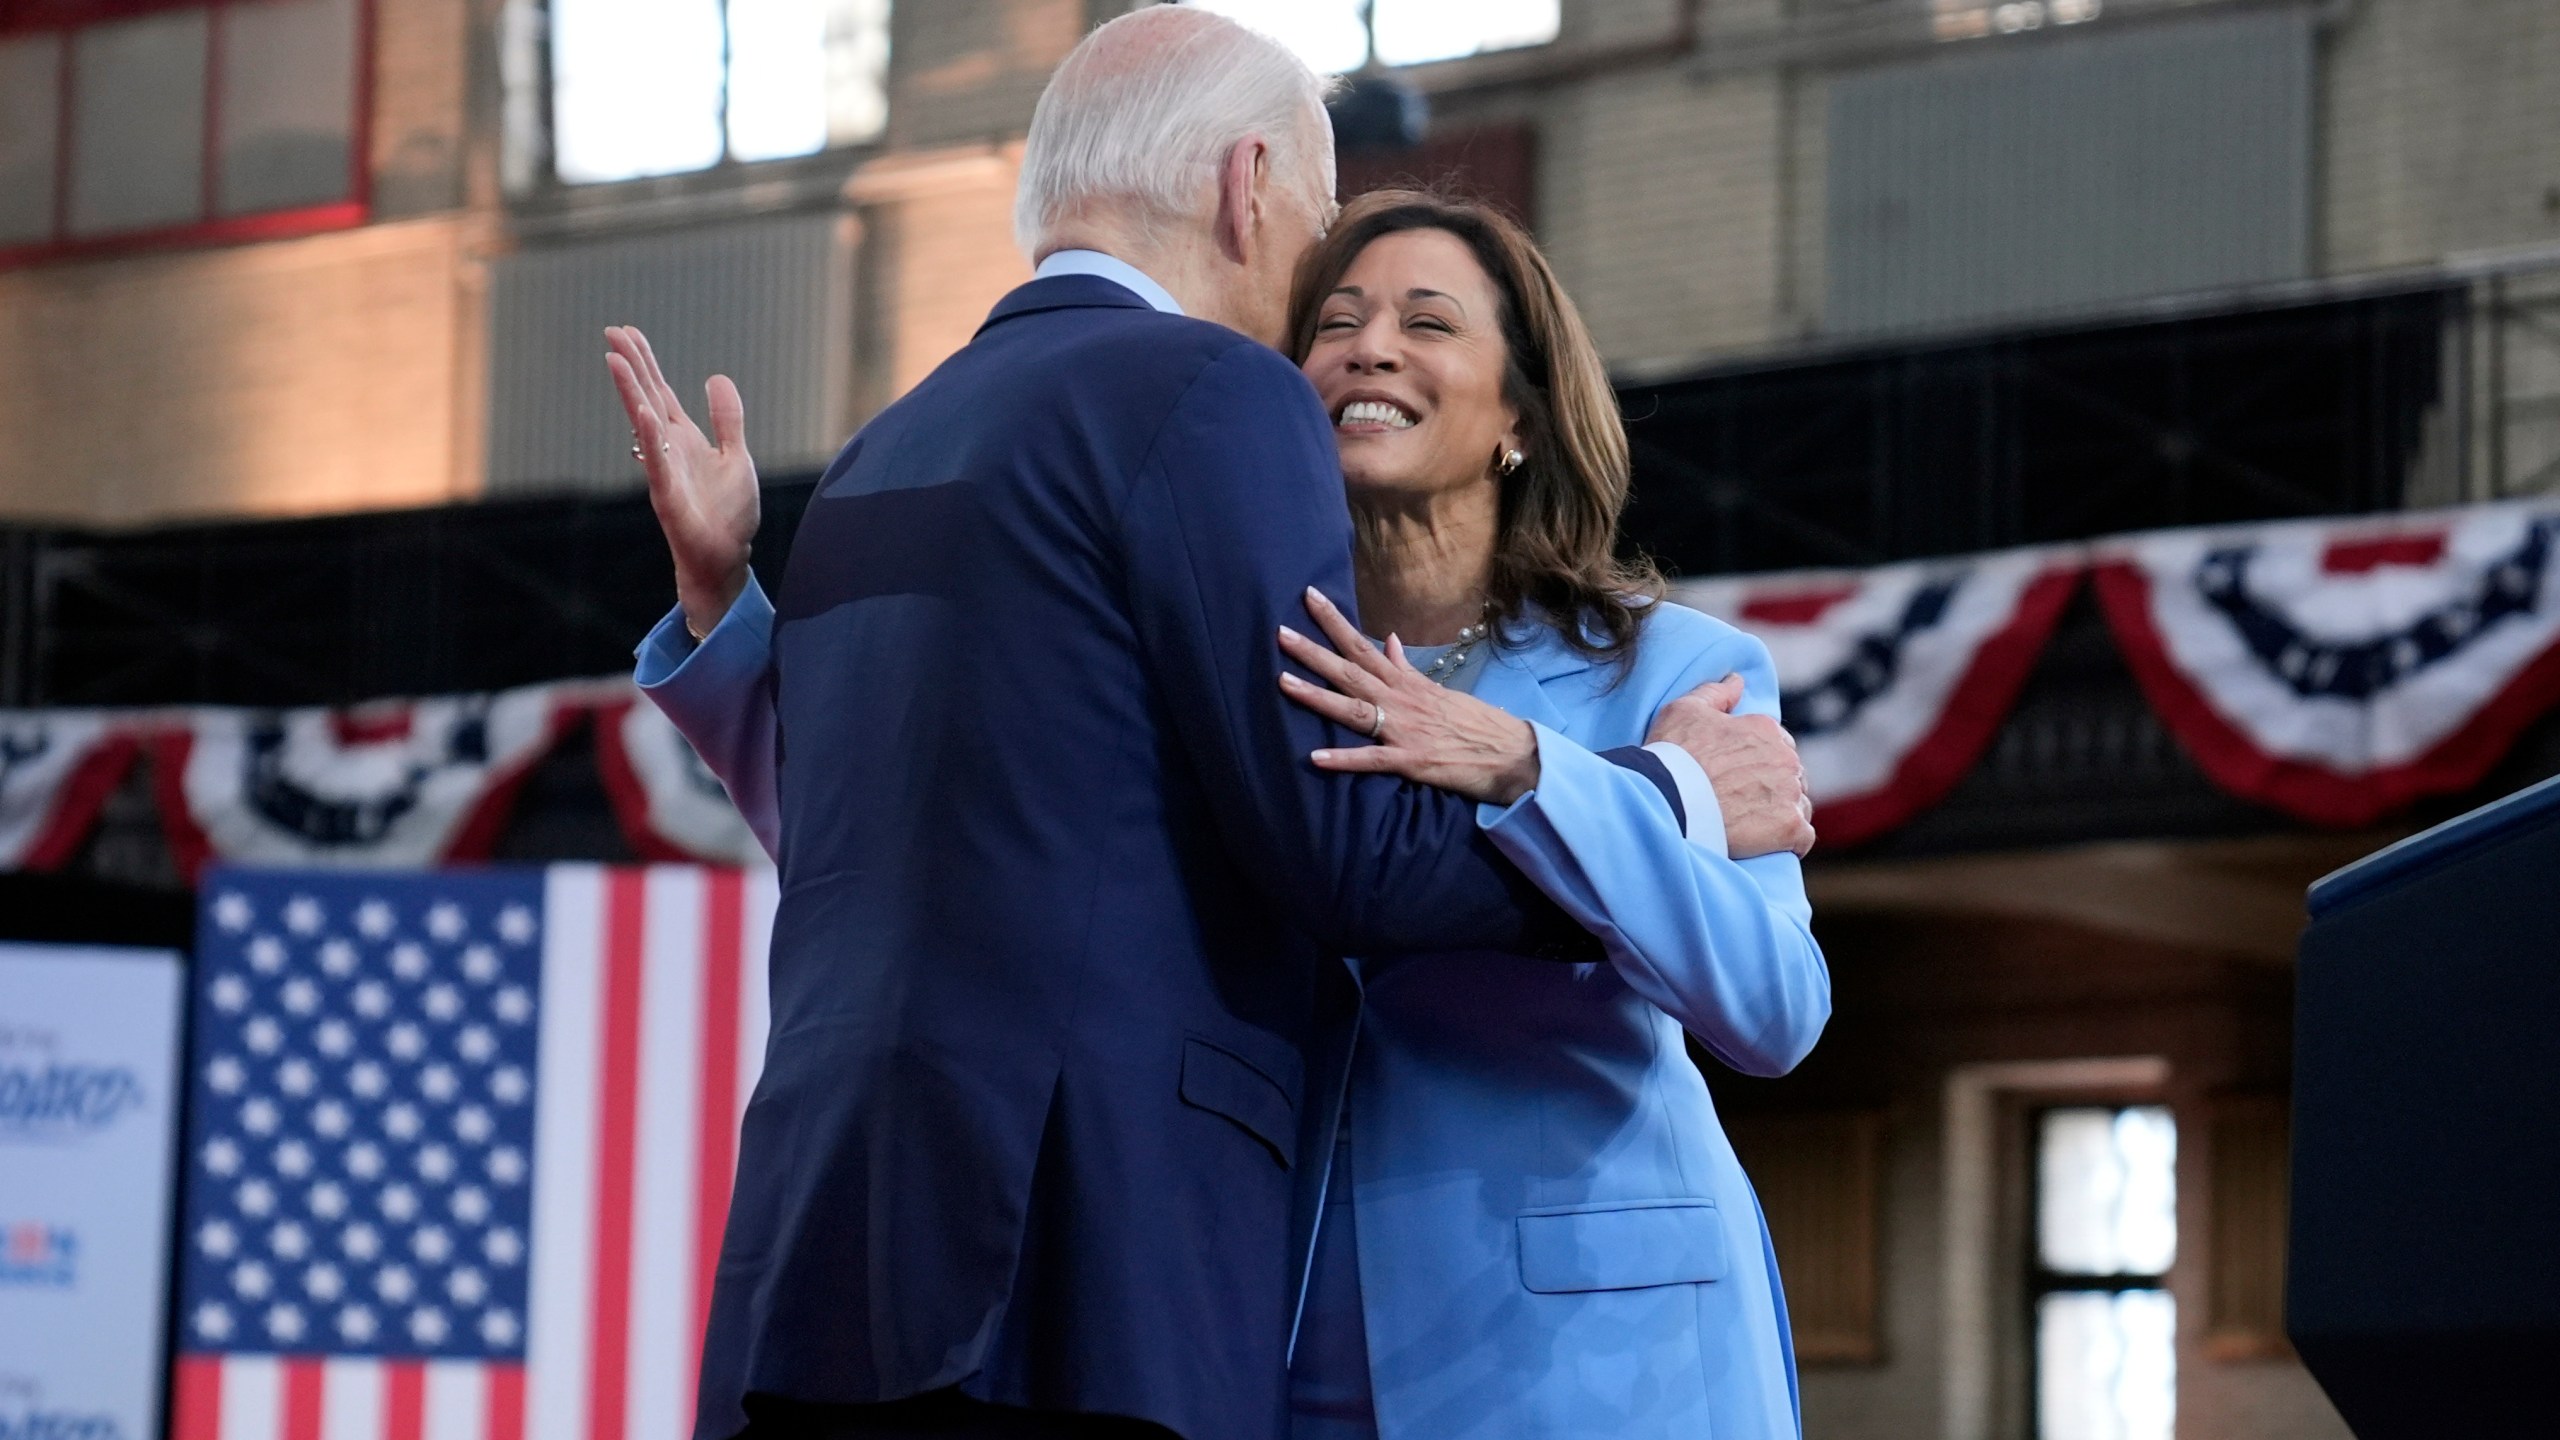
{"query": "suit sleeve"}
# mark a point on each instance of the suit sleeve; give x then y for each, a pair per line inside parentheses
(1726, 947)
(719, 694)
(1236, 511)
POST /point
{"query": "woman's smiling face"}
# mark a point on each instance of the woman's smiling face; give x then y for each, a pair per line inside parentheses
(1408, 356)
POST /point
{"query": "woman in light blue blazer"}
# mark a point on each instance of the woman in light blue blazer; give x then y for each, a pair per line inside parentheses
(1533, 1227)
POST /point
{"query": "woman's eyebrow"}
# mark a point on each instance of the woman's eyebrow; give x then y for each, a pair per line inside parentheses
(1351, 290)
(1419, 293)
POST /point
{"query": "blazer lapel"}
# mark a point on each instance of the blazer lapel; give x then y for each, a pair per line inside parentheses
(1531, 657)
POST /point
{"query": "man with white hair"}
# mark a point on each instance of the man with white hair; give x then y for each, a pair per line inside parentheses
(1058, 887)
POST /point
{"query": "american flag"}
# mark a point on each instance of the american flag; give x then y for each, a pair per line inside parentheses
(460, 1147)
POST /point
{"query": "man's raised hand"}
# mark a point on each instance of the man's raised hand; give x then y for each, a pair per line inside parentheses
(703, 487)
(1750, 760)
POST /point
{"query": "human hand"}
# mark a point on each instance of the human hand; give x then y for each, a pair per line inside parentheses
(1750, 760)
(703, 487)
(1424, 730)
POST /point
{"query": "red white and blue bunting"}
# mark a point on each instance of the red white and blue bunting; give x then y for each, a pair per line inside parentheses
(2337, 669)
(391, 785)
(669, 803)
(57, 768)
(1894, 679)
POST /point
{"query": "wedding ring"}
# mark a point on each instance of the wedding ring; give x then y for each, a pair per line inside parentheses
(1377, 720)
(635, 452)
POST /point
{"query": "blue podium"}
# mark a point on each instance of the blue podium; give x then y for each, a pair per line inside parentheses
(2424, 1275)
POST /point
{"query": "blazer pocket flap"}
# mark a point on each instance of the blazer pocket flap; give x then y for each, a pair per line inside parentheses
(1224, 1083)
(1622, 1247)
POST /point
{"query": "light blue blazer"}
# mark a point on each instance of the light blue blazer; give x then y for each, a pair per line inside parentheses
(1554, 1236)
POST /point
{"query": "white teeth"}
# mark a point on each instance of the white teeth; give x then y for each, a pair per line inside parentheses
(1375, 412)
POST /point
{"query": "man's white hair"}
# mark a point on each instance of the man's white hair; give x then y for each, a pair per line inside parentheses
(1141, 114)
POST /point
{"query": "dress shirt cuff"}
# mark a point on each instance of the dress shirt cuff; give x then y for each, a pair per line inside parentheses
(1555, 749)
(669, 647)
(1702, 816)
(1688, 800)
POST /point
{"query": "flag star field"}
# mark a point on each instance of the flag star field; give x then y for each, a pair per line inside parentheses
(363, 1137)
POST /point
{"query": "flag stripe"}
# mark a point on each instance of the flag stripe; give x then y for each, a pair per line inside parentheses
(196, 1410)
(660, 1261)
(457, 1399)
(564, 1145)
(304, 1396)
(754, 988)
(506, 1402)
(609, 1322)
(404, 1400)
(351, 1398)
(723, 927)
(252, 1398)
(564, 1151)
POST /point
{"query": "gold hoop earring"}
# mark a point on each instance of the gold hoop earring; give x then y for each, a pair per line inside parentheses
(1510, 461)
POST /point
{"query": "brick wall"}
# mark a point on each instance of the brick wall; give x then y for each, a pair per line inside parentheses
(1682, 201)
(972, 69)
(328, 373)
(1686, 204)
(938, 253)
(2441, 125)
(316, 374)
(1661, 206)
(420, 83)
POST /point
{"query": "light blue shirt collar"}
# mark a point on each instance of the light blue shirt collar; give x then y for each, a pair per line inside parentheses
(1119, 272)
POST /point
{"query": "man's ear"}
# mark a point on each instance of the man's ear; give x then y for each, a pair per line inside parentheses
(1239, 198)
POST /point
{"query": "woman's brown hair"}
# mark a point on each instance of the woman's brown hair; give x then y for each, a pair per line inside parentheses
(1555, 545)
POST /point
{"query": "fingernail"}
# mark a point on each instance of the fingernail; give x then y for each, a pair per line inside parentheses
(1291, 634)
(1319, 756)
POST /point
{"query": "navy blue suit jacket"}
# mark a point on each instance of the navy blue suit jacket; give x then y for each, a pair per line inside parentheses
(1057, 880)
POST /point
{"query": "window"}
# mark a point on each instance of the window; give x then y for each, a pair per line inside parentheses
(2105, 1231)
(124, 121)
(1334, 36)
(662, 87)
(1974, 19)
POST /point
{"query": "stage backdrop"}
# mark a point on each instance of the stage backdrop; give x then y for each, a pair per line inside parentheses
(88, 1072)
(459, 1148)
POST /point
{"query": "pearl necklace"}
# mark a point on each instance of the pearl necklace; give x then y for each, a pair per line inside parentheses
(1455, 657)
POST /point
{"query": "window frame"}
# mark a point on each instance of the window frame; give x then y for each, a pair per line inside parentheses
(549, 199)
(68, 18)
(1370, 64)
(2039, 1281)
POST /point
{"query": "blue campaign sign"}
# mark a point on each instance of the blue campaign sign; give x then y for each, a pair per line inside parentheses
(88, 1108)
